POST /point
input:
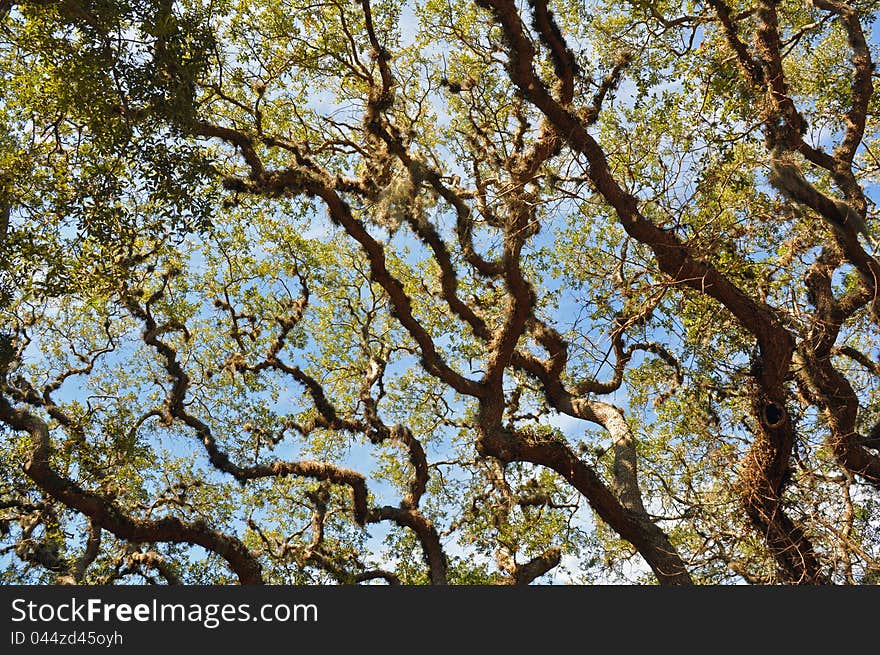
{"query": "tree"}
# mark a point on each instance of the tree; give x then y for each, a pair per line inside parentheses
(439, 292)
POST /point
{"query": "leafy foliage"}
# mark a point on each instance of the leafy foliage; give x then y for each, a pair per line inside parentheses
(438, 292)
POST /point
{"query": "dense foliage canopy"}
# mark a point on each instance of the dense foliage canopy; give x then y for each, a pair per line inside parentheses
(439, 291)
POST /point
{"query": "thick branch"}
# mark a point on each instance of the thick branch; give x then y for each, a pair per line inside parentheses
(861, 87)
(425, 532)
(110, 517)
(524, 574)
(647, 538)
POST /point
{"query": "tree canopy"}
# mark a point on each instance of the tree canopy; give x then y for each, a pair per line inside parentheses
(439, 292)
